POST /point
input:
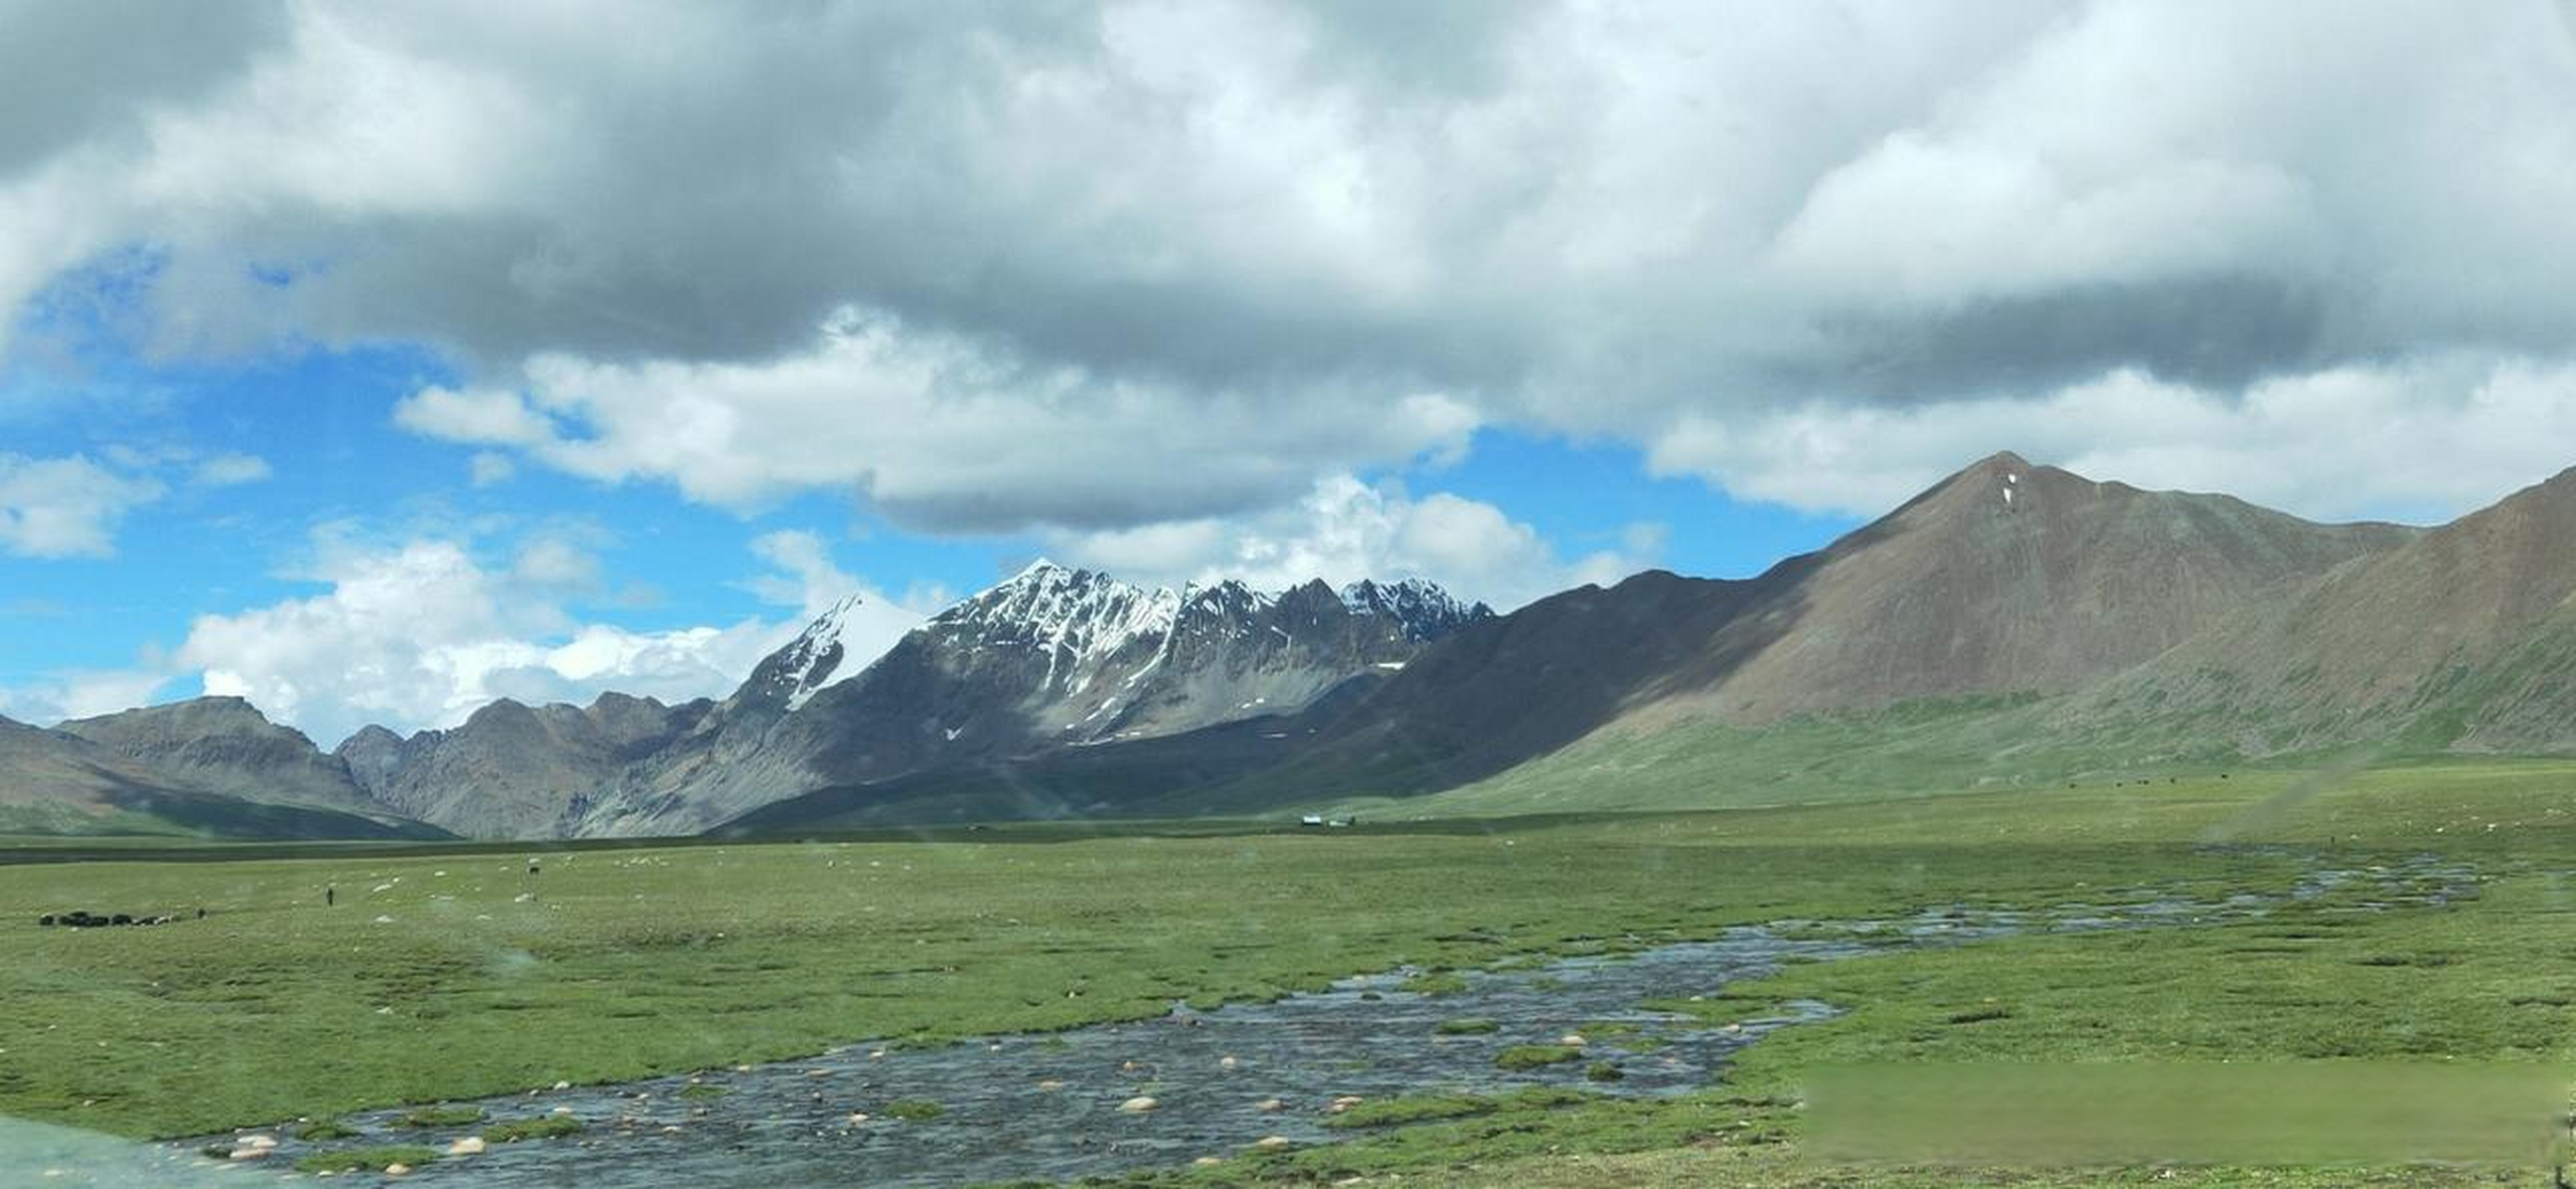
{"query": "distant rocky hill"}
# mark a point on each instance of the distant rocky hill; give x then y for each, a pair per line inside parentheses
(55, 782)
(513, 771)
(225, 745)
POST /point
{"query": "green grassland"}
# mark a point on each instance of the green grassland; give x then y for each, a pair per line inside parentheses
(450, 973)
(1916, 747)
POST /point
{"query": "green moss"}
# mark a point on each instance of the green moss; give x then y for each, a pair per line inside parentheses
(1535, 1056)
(1435, 983)
(540, 1127)
(1467, 1027)
(1421, 1108)
(916, 1110)
(322, 1129)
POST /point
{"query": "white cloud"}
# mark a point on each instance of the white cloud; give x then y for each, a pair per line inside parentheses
(1345, 530)
(422, 634)
(487, 468)
(807, 579)
(1130, 261)
(82, 693)
(230, 470)
(65, 507)
(2422, 439)
(935, 431)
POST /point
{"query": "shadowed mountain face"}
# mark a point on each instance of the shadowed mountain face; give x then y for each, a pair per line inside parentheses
(513, 771)
(225, 745)
(56, 782)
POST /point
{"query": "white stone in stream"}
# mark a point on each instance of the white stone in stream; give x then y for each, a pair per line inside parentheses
(397, 1170)
(262, 1142)
(1273, 1143)
(1207, 1161)
(471, 1145)
(249, 1153)
(1270, 1104)
(1138, 1105)
(1571, 1040)
(563, 1085)
(1227, 1063)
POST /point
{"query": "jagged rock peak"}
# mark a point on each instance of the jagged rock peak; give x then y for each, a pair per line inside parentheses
(1421, 607)
(1048, 605)
(1088, 612)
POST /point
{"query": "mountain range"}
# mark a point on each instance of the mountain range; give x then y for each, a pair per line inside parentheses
(2043, 623)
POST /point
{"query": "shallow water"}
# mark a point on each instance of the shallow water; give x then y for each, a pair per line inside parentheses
(1046, 1107)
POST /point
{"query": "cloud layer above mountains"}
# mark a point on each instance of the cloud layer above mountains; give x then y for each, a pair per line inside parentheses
(1101, 266)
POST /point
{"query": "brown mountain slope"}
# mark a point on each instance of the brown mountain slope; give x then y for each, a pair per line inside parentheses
(2007, 578)
(2003, 578)
(2464, 637)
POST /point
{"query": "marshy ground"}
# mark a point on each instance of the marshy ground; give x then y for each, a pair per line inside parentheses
(454, 974)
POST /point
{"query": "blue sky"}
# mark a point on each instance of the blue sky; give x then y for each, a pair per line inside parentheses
(373, 362)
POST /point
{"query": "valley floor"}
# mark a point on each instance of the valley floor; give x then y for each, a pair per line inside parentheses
(445, 973)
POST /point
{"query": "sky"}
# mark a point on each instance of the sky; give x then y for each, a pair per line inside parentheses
(375, 361)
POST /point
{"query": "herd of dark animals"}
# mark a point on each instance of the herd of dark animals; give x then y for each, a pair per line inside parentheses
(90, 920)
(86, 920)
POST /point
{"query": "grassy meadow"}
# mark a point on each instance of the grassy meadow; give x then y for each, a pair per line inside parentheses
(452, 972)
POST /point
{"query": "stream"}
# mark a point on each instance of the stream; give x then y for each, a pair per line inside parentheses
(1048, 1106)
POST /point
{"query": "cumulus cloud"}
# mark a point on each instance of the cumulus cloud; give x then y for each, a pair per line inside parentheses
(934, 431)
(1096, 248)
(2413, 440)
(82, 693)
(805, 578)
(423, 633)
(1344, 530)
(65, 507)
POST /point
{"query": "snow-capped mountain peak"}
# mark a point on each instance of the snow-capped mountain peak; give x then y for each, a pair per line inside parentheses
(845, 639)
(1074, 615)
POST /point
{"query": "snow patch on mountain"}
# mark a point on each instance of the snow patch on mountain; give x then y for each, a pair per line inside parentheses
(840, 644)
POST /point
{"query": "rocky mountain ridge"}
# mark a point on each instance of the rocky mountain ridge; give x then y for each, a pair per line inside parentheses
(2182, 624)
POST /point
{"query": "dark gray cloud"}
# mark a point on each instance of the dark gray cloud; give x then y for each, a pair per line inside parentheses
(71, 73)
